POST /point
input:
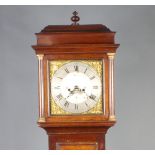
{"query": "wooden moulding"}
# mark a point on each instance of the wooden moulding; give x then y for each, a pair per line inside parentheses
(74, 38)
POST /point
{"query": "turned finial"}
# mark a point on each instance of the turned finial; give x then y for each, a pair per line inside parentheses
(75, 18)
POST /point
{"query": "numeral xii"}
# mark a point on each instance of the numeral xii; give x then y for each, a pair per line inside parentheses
(76, 68)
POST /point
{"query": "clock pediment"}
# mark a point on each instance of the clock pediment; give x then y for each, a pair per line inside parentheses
(75, 34)
(75, 28)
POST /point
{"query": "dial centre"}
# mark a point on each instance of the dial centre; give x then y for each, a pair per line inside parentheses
(76, 87)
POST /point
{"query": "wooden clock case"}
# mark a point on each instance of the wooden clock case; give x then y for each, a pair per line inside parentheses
(76, 42)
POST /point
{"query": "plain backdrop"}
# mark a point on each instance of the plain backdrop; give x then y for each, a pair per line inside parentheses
(134, 72)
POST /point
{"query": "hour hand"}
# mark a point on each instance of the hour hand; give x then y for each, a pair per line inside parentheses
(71, 91)
(71, 94)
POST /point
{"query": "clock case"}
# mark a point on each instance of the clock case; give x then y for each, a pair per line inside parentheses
(76, 42)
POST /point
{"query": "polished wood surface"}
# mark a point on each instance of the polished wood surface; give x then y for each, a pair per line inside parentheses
(77, 146)
(72, 138)
(76, 42)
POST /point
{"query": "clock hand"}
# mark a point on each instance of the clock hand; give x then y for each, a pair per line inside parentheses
(71, 91)
(76, 89)
(69, 95)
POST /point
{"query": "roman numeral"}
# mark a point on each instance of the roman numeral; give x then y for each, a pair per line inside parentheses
(92, 97)
(95, 87)
(92, 77)
(86, 104)
(76, 107)
(66, 70)
(59, 96)
(66, 104)
(57, 87)
(85, 71)
(60, 78)
(76, 68)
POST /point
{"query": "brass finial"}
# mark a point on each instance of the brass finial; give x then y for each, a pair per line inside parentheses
(75, 18)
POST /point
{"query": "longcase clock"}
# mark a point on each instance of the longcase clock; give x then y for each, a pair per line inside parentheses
(76, 85)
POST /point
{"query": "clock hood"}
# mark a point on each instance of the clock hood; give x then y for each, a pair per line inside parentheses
(75, 34)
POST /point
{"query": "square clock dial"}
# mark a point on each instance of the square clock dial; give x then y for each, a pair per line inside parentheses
(76, 87)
